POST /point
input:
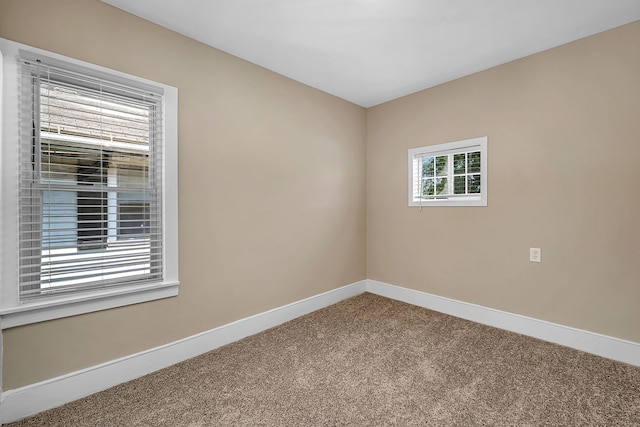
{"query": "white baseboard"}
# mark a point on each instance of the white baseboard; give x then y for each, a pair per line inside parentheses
(31, 399)
(590, 342)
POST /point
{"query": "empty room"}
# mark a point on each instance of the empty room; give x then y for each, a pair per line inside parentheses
(319, 213)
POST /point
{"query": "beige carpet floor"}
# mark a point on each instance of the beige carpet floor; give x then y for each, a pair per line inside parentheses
(371, 361)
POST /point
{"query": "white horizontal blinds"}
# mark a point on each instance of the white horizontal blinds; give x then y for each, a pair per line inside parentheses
(417, 178)
(448, 175)
(90, 182)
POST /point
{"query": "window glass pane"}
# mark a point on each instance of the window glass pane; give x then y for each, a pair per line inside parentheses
(474, 184)
(459, 164)
(72, 110)
(459, 184)
(441, 186)
(67, 162)
(56, 165)
(474, 162)
(428, 166)
(133, 215)
(132, 171)
(441, 165)
(59, 220)
(428, 187)
(92, 220)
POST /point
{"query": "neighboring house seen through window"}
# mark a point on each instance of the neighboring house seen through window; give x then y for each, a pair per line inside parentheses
(88, 177)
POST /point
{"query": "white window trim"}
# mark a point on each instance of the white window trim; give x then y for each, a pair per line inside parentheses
(475, 144)
(12, 312)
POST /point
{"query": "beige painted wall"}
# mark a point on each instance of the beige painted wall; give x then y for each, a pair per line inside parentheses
(563, 156)
(253, 147)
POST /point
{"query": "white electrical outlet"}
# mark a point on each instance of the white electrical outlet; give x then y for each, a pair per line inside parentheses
(535, 254)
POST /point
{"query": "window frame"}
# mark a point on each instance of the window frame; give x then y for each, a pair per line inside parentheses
(449, 149)
(13, 312)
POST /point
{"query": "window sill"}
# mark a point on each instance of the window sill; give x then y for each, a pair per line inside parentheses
(95, 301)
(453, 202)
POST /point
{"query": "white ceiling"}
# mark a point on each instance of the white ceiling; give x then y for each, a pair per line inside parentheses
(372, 51)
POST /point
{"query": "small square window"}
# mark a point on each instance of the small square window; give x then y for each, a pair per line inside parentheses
(451, 174)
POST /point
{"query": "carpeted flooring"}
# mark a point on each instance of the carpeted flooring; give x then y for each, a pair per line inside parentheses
(372, 361)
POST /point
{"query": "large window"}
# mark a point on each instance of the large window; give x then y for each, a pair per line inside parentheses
(453, 174)
(95, 170)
